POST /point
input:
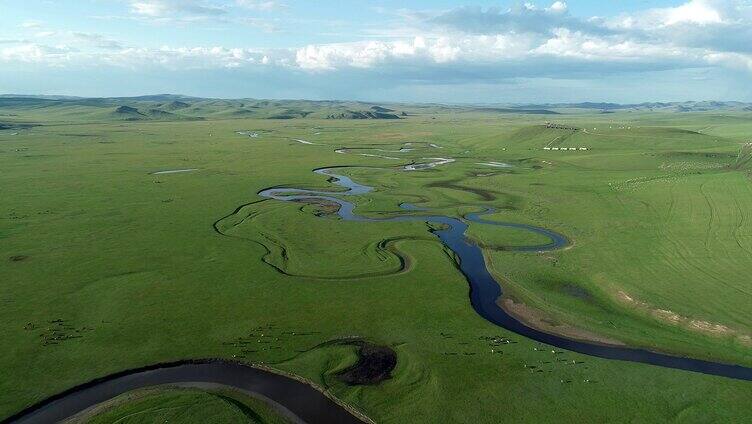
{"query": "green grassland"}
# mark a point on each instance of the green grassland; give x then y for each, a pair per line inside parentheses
(182, 405)
(146, 268)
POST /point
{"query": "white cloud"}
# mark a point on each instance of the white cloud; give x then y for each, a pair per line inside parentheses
(35, 53)
(566, 43)
(260, 5)
(334, 56)
(696, 11)
(150, 8)
(463, 43)
(31, 24)
(174, 8)
(558, 7)
(699, 13)
(172, 58)
(733, 60)
(185, 58)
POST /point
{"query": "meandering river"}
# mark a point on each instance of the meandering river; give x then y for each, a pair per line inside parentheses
(485, 291)
(303, 402)
(293, 399)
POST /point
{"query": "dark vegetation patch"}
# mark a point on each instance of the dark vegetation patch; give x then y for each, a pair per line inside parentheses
(362, 114)
(127, 110)
(77, 135)
(156, 113)
(568, 288)
(13, 126)
(175, 105)
(533, 163)
(289, 114)
(576, 291)
(381, 109)
(322, 208)
(18, 258)
(129, 113)
(436, 226)
(684, 131)
(375, 364)
(242, 112)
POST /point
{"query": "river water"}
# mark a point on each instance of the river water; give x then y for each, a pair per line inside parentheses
(485, 291)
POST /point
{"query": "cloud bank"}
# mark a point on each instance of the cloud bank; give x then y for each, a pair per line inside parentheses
(462, 45)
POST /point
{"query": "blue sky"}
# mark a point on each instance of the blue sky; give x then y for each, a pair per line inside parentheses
(428, 51)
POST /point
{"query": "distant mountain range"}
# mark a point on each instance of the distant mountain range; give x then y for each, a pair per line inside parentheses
(168, 107)
(691, 106)
(172, 107)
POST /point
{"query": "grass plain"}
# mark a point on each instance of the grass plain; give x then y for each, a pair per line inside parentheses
(107, 267)
(182, 405)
